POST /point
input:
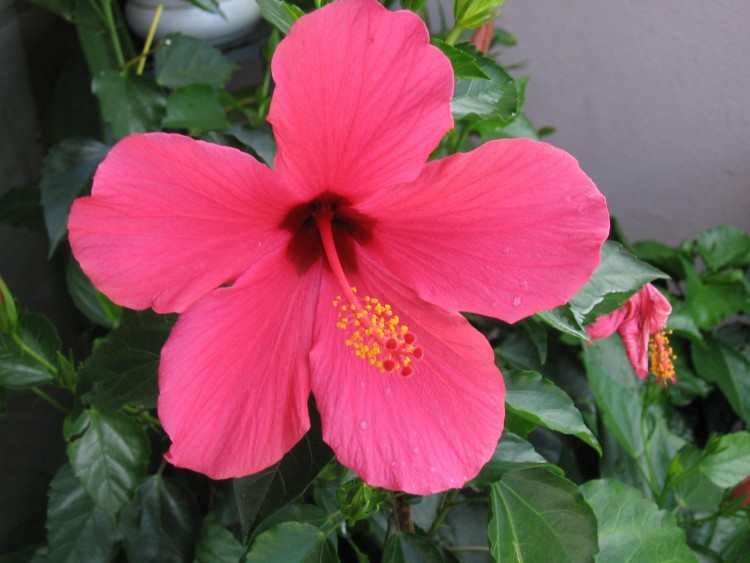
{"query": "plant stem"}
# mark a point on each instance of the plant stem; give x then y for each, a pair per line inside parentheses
(467, 549)
(23, 346)
(149, 39)
(445, 507)
(109, 21)
(453, 35)
(49, 400)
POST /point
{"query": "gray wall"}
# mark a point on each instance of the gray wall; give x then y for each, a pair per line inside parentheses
(652, 97)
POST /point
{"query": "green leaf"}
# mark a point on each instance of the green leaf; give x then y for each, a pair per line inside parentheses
(563, 319)
(211, 6)
(729, 369)
(403, 547)
(261, 141)
(513, 453)
(131, 104)
(540, 401)
(723, 247)
(23, 364)
(108, 453)
(618, 276)
(78, 529)
(691, 488)
(66, 172)
(292, 541)
(217, 545)
(161, 523)
(496, 98)
(95, 39)
(186, 61)
(727, 462)
(537, 515)
(20, 207)
(124, 367)
(262, 494)
(632, 528)
(616, 391)
(195, 107)
(63, 8)
(277, 14)
(666, 258)
(464, 65)
(710, 301)
(95, 305)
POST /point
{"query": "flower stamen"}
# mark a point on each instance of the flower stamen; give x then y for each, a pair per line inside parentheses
(375, 332)
(661, 356)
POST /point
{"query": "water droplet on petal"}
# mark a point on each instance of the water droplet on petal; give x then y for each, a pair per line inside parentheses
(494, 304)
(393, 463)
(362, 384)
(363, 424)
(415, 450)
(517, 301)
(524, 283)
(433, 469)
(568, 197)
(388, 391)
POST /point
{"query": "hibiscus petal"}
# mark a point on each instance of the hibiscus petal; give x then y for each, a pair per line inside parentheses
(509, 229)
(422, 434)
(234, 375)
(356, 108)
(170, 219)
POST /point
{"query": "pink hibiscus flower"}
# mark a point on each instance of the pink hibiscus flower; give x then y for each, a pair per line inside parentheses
(640, 322)
(341, 271)
(742, 491)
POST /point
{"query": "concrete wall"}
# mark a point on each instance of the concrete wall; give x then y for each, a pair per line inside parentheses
(652, 97)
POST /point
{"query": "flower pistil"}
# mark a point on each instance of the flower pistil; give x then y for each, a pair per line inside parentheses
(660, 356)
(375, 331)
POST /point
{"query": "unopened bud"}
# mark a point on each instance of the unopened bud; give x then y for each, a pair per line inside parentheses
(475, 13)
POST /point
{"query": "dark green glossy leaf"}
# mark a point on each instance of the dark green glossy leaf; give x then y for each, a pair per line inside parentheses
(727, 462)
(78, 529)
(540, 401)
(124, 367)
(261, 141)
(161, 524)
(666, 258)
(277, 14)
(632, 528)
(723, 247)
(95, 40)
(496, 98)
(563, 319)
(108, 453)
(403, 547)
(187, 61)
(95, 305)
(303, 513)
(731, 539)
(195, 107)
(729, 369)
(710, 301)
(217, 545)
(20, 207)
(691, 488)
(66, 172)
(538, 515)
(616, 391)
(464, 65)
(618, 276)
(131, 104)
(292, 541)
(513, 453)
(23, 365)
(262, 494)
(63, 8)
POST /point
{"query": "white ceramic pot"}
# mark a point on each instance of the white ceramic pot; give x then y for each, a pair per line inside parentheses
(180, 16)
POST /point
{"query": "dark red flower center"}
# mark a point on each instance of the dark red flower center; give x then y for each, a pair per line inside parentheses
(329, 226)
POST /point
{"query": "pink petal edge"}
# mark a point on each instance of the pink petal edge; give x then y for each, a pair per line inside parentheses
(356, 109)
(170, 219)
(234, 376)
(507, 230)
(422, 434)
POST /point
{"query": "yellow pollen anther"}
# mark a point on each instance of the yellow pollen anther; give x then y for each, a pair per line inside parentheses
(377, 335)
(660, 357)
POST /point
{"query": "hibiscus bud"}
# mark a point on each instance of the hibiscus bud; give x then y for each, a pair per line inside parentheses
(413, 5)
(8, 311)
(482, 37)
(743, 492)
(475, 13)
